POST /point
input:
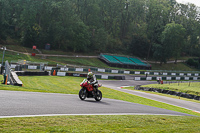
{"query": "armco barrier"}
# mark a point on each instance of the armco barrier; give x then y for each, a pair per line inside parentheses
(166, 78)
(180, 94)
(32, 67)
(182, 75)
(85, 75)
(148, 72)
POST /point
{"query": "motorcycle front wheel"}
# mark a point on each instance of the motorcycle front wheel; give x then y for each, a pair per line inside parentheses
(98, 96)
(82, 94)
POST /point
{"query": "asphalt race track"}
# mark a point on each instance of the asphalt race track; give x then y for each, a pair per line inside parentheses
(176, 102)
(26, 104)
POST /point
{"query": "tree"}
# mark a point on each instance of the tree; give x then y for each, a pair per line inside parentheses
(99, 40)
(189, 18)
(160, 53)
(173, 39)
(157, 14)
(79, 38)
(4, 20)
(139, 46)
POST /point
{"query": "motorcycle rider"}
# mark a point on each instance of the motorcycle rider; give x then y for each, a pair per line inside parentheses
(93, 81)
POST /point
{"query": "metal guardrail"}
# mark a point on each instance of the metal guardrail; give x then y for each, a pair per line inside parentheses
(77, 68)
(174, 71)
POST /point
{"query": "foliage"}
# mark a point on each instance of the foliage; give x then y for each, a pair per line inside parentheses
(139, 46)
(159, 53)
(193, 62)
(172, 40)
(135, 27)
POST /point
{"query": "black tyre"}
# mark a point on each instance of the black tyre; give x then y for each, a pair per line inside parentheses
(98, 96)
(82, 94)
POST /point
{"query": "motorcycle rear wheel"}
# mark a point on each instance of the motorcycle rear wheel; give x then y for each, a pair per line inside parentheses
(82, 94)
(98, 96)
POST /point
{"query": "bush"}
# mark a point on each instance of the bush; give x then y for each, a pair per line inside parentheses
(192, 62)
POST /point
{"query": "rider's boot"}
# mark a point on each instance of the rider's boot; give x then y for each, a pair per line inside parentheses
(94, 94)
(95, 91)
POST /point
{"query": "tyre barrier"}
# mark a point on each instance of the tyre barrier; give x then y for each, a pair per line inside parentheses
(29, 73)
(119, 77)
(179, 94)
(165, 78)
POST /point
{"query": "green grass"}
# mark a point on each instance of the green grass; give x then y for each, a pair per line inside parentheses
(94, 62)
(30, 50)
(13, 56)
(190, 87)
(20, 48)
(102, 124)
(172, 66)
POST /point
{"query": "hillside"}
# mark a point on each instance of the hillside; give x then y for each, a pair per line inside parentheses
(74, 59)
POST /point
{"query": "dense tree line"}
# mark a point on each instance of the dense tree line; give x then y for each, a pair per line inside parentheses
(161, 29)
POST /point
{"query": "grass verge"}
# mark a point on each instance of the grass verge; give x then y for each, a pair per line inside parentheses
(102, 124)
(190, 87)
(172, 66)
(77, 61)
(94, 62)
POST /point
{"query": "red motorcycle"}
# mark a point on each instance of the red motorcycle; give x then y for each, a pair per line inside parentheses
(87, 90)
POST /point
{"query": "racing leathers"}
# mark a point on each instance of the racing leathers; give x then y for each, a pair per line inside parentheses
(93, 81)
